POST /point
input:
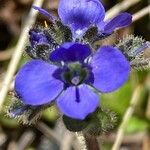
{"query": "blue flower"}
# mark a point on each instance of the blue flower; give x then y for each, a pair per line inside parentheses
(70, 80)
(79, 15)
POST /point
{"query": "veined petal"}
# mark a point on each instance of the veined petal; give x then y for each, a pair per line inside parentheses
(101, 25)
(78, 102)
(110, 68)
(80, 14)
(70, 52)
(121, 20)
(35, 83)
(45, 13)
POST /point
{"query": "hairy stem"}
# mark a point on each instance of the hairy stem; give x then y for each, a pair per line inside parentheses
(92, 143)
(87, 142)
(81, 139)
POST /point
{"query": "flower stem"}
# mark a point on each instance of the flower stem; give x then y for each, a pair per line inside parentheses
(87, 142)
(92, 143)
(81, 140)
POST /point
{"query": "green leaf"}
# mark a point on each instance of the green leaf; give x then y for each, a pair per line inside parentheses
(8, 122)
(117, 101)
(50, 114)
(136, 124)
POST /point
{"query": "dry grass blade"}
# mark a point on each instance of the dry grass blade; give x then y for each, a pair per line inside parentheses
(127, 116)
(49, 133)
(18, 52)
(141, 13)
(120, 7)
(6, 54)
(25, 140)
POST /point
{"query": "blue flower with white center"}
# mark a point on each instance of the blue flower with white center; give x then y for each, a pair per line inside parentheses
(70, 80)
(79, 15)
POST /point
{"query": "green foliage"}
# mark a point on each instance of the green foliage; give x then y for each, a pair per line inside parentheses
(136, 124)
(118, 101)
(50, 114)
(101, 121)
(8, 122)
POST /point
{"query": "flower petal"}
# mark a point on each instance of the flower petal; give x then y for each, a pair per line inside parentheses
(44, 12)
(110, 68)
(37, 37)
(35, 83)
(80, 14)
(78, 102)
(70, 52)
(121, 20)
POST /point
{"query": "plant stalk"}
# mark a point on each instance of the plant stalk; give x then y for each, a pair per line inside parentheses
(87, 142)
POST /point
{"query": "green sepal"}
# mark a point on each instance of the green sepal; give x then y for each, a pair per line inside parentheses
(95, 124)
(74, 125)
(101, 121)
(25, 114)
(135, 50)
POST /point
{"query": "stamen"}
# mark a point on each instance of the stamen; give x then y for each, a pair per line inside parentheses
(45, 23)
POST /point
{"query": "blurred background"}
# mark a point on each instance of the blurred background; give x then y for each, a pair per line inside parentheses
(49, 133)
